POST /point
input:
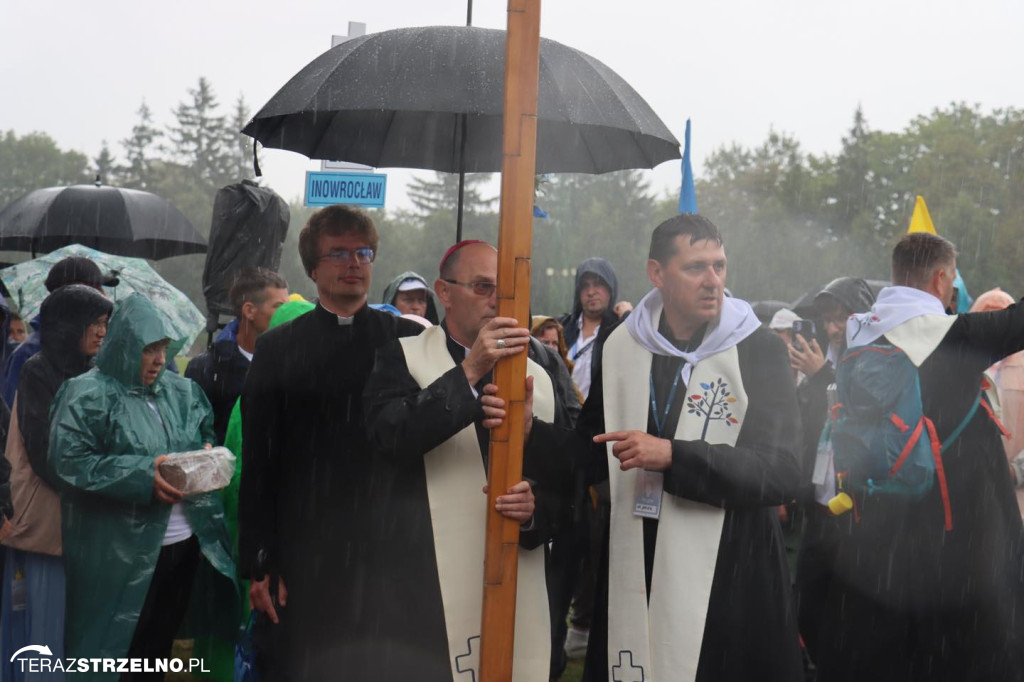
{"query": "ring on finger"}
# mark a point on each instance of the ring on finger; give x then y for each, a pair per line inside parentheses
(501, 343)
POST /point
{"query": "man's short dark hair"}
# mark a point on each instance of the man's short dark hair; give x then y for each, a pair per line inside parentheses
(334, 220)
(696, 226)
(916, 256)
(14, 317)
(250, 286)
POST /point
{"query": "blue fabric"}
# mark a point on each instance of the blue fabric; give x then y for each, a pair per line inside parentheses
(687, 191)
(17, 360)
(386, 307)
(40, 622)
(539, 212)
(964, 300)
(245, 655)
(874, 383)
(228, 333)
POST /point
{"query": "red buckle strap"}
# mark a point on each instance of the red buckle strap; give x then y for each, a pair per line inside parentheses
(898, 422)
(992, 415)
(940, 471)
(908, 447)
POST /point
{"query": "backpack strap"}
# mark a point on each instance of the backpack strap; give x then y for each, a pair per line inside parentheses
(963, 424)
(940, 469)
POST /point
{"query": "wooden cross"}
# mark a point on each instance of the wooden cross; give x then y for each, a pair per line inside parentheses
(515, 234)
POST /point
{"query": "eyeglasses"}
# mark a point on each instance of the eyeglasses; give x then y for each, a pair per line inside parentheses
(479, 288)
(363, 255)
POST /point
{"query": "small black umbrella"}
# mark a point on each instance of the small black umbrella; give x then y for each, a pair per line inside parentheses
(432, 97)
(124, 222)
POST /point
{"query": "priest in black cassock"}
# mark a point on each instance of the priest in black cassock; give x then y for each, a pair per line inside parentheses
(311, 496)
(694, 420)
(430, 404)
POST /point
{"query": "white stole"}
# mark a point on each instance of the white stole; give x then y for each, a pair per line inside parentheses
(664, 639)
(458, 512)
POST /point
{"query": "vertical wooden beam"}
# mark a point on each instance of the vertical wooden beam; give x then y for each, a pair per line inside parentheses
(522, 64)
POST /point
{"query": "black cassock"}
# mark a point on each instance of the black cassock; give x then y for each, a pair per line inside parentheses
(404, 423)
(911, 601)
(750, 631)
(312, 497)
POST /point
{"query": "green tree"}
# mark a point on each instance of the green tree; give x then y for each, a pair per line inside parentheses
(140, 150)
(34, 161)
(241, 145)
(106, 165)
(198, 139)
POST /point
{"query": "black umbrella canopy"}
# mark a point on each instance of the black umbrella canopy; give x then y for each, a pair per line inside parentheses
(400, 98)
(124, 222)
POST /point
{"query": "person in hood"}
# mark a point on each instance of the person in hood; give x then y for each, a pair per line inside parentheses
(818, 544)
(133, 546)
(597, 289)
(75, 317)
(931, 588)
(692, 418)
(411, 295)
(70, 270)
(255, 294)
(18, 331)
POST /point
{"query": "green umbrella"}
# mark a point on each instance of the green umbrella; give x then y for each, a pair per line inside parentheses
(25, 280)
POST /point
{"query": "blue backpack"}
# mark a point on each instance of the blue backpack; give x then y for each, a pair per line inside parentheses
(883, 444)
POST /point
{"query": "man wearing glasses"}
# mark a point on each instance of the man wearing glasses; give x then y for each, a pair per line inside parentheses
(431, 402)
(310, 497)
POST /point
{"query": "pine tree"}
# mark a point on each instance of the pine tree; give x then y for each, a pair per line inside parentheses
(241, 145)
(442, 194)
(106, 166)
(140, 152)
(198, 138)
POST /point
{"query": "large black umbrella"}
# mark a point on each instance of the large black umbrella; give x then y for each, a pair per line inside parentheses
(124, 222)
(432, 97)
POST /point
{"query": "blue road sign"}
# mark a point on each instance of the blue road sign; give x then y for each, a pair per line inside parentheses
(360, 189)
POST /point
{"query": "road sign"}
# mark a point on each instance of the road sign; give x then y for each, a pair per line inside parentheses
(360, 189)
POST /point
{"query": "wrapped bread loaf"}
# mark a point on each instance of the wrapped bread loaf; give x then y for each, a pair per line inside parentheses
(199, 471)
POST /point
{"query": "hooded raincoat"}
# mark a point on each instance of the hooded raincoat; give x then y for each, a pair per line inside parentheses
(104, 437)
(603, 269)
(391, 291)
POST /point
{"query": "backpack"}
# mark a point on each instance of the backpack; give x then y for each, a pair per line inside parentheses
(883, 443)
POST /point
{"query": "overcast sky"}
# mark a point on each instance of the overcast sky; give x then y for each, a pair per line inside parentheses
(79, 70)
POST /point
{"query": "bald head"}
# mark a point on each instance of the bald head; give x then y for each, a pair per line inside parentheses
(466, 288)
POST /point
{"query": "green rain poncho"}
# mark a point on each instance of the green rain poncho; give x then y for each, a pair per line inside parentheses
(104, 437)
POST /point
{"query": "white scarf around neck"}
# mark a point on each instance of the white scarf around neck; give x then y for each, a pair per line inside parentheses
(736, 322)
(894, 306)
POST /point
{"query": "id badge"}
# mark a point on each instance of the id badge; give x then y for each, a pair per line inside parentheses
(649, 489)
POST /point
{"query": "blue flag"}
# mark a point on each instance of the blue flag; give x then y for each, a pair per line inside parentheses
(687, 193)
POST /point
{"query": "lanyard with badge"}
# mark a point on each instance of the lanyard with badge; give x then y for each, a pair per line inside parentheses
(650, 484)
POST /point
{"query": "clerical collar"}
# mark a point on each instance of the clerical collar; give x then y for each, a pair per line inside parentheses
(342, 320)
(452, 343)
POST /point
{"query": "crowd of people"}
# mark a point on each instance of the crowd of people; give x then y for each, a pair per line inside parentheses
(692, 505)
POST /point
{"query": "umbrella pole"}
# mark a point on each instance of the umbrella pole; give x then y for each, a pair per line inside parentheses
(522, 60)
